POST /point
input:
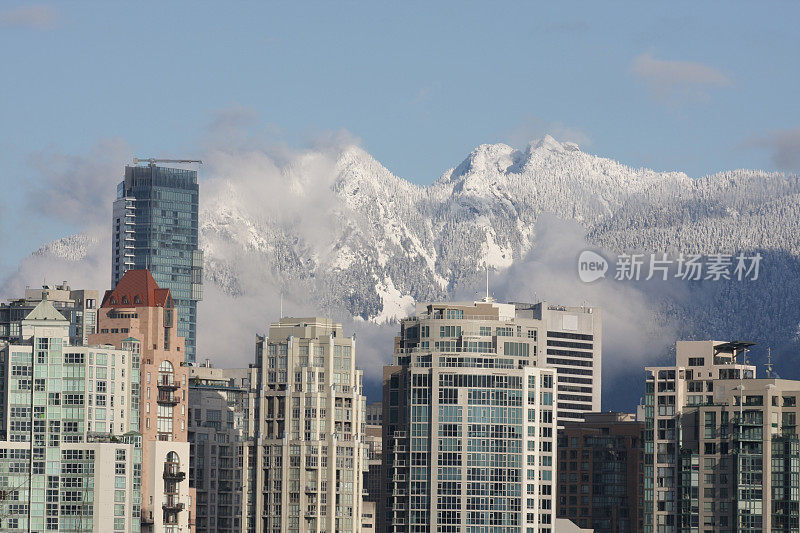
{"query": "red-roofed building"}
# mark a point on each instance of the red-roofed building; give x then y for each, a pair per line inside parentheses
(137, 288)
(138, 309)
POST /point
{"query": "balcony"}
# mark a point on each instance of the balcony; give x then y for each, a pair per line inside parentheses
(172, 472)
(166, 397)
(172, 503)
(166, 383)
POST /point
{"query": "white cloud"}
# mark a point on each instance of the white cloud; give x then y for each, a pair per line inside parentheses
(37, 17)
(549, 272)
(78, 189)
(783, 146)
(671, 81)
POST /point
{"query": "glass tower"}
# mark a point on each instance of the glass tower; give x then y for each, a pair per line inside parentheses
(155, 228)
(469, 424)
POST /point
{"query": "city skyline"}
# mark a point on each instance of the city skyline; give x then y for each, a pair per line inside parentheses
(482, 267)
(461, 373)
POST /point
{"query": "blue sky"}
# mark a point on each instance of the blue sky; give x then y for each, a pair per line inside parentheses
(696, 86)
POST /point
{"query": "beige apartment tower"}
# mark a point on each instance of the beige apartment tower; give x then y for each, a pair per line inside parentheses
(138, 309)
(721, 447)
(309, 452)
(218, 414)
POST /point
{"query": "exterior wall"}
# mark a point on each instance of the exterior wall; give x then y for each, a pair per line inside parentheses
(165, 501)
(164, 394)
(670, 391)
(469, 448)
(491, 341)
(218, 435)
(79, 307)
(368, 517)
(568, 339)
(600, 473)
(374, 414)
(372, 476)
(574, 348)
(739, 461)
(71, 460)
(309, 451)
(155, 227)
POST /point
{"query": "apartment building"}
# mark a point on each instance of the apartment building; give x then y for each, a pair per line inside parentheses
(701, 473)
(600, 473)
(373, 437)
(374, 413)
(469, 422)
(79, 307)
(137, 309)
(567, 339)
(218, 400)
(70, 456)
(307, 426)
(739, 460)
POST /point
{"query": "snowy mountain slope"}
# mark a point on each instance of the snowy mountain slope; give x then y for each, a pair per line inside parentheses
(340, 234)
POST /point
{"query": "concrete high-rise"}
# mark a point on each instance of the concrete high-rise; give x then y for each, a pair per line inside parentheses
(721, 447)
(218, 434)
(77, 306)
(600, 473)
(470, 416)
(567, 339)
(155, 227)
(307, 414)
(70, 455)
(139, 310)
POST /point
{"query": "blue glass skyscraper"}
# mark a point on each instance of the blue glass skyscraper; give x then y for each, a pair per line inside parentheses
(155, 226)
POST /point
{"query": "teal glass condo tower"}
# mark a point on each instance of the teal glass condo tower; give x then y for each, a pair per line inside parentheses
(155, 227)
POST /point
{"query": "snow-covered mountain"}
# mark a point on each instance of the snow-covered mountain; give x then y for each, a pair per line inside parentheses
(338, 233)
(385, 240)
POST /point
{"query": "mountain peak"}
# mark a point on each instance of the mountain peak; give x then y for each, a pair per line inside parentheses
(550, 144)
(486, 158)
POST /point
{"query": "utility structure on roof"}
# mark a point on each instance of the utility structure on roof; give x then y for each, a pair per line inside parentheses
(152, 161)
(155, 227)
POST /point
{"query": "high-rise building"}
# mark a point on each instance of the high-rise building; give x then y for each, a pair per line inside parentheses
(155, 227)
(600, 473)
(70, 456)
(712, 461)
(137, 309)
(79, 307)
(573, 346)
(470, 422)
(567, 339)
(374, 413)
(373, 437)
(217, 432)
(307, 414)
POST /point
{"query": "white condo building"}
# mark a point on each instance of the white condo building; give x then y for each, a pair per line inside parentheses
(308, 449)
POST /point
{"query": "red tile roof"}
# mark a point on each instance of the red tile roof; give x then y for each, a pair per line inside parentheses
(137, 288)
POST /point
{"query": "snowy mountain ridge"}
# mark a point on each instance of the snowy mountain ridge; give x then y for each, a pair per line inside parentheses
(339, 233)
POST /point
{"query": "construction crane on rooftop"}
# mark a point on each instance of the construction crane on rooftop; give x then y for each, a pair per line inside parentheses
(153, 161)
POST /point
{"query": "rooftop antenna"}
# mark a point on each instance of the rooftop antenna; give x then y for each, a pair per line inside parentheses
(770, 373)
(281, 304)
